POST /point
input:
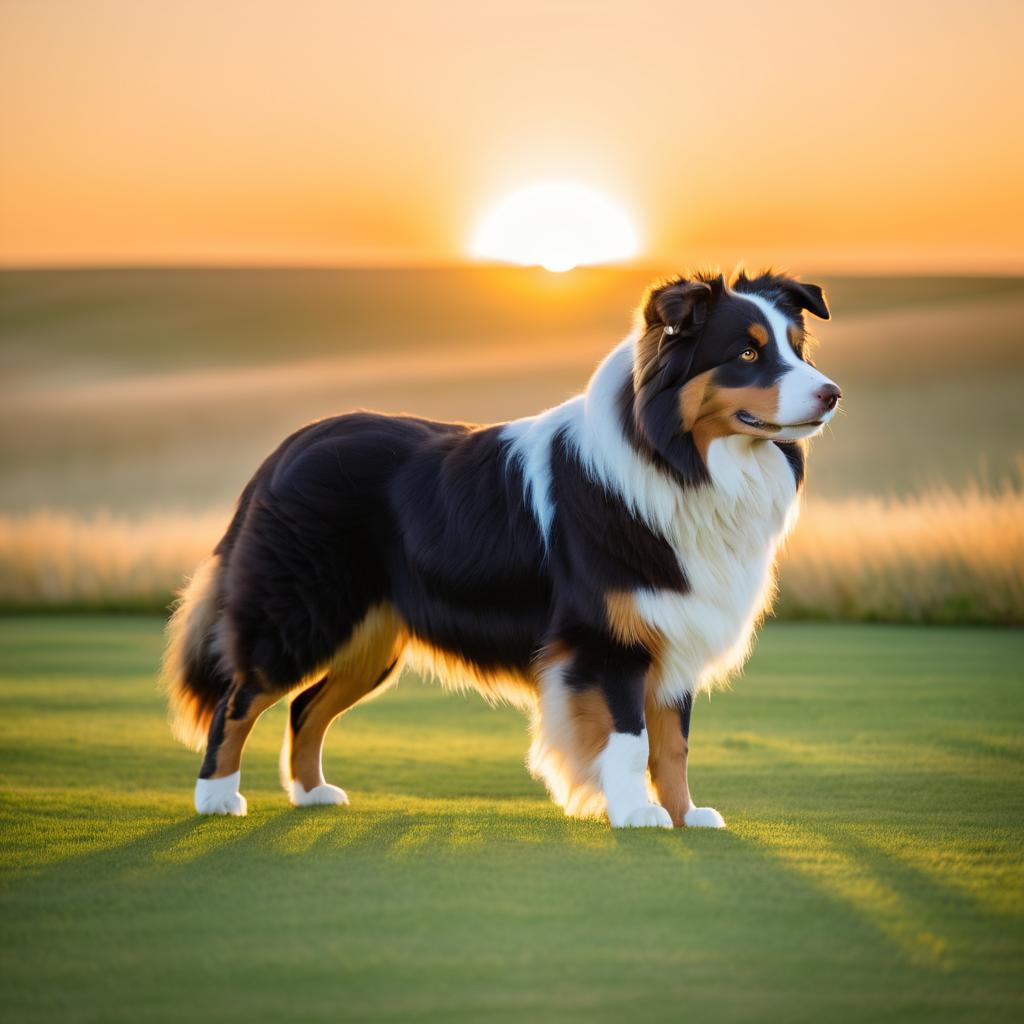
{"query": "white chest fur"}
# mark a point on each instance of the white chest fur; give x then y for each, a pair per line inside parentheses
(725, 537)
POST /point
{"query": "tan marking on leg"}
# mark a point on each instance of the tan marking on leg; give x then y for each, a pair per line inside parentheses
(569, 730)
(236, 732)
(354, 672)
(591, 723)
(667, 761)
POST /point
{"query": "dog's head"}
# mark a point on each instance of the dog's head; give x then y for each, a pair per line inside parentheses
(714, 360)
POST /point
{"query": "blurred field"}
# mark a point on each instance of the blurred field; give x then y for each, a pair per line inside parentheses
(871, 870)
(137, 403)
(149, 391)
(939, 558)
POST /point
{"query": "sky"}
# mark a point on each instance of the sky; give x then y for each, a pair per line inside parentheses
(841, 136)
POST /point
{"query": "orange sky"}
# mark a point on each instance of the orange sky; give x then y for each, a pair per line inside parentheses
(839, 136)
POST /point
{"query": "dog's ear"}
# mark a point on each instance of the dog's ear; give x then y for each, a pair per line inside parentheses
(674, 313)
(808, 296)
(681, 303)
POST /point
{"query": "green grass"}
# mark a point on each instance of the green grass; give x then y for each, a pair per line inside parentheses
(871, 777)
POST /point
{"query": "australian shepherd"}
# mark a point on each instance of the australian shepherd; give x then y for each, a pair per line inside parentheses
(596, 564)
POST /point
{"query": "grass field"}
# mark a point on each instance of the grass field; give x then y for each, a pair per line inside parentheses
(873, 869)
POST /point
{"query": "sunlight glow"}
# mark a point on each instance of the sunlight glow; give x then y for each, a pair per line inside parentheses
(557, 225)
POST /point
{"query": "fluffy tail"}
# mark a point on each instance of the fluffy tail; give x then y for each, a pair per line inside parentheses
(194, 676)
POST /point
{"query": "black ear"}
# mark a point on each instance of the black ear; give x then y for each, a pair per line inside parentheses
(809, 297)
(681, 302)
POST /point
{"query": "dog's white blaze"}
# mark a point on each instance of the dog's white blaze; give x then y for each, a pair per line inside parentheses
(801, 383)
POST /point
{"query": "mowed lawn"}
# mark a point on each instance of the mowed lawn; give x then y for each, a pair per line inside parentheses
(871, 777)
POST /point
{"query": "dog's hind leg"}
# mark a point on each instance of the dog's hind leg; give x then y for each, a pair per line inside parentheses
(364, 663)
(669, 732)
(217, 788)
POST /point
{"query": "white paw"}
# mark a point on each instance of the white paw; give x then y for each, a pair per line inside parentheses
(649, 816)
(322, 794)
(220, 796)
(703, 817)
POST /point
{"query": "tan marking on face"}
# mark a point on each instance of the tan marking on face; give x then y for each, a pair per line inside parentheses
(759, 333)
(795, 335)
(377, 642)
(693, 397)
(719, 416)
(666, 763)
(710, 429)
(760, 402)
(709, 412)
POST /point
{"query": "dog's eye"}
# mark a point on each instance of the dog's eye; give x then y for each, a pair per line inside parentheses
(748, 355)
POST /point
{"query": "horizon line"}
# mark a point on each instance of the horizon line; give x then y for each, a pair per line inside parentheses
(645, 266)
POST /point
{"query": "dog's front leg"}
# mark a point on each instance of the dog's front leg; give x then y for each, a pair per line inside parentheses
(622, 769)
(590, 738)
(622, 764)
(669, 729)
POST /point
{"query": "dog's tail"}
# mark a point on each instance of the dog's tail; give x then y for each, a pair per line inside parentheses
(194, 674)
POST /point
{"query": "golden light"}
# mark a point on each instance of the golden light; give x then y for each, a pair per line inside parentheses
(557, 225)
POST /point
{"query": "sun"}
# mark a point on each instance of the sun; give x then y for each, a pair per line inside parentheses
(557, 225)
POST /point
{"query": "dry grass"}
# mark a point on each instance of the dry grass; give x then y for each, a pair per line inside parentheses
(58, 561)
(940, 557)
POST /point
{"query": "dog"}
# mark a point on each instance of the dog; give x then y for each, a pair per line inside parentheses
(596, 565)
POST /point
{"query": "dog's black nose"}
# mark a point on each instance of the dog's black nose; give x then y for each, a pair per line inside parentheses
(829, 396)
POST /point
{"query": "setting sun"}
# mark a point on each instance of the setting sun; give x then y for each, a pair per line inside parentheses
(557, 225)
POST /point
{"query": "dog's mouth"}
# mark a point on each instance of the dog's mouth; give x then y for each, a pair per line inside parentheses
(750, 420)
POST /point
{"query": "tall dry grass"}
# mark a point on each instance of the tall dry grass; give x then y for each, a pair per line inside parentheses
(941, 557)
(61, 562)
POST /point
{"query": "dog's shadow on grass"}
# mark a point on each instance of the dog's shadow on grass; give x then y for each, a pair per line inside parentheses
(902, 903)
(907, 908)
